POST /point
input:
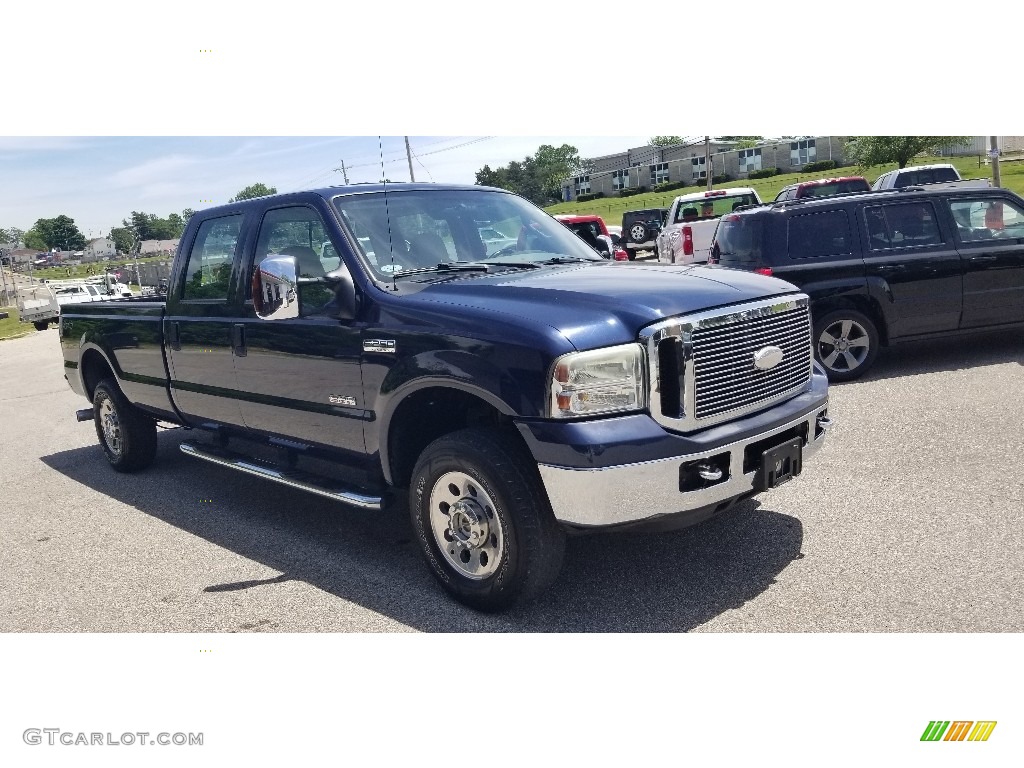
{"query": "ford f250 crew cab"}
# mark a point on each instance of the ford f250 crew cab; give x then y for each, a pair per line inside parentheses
(510, 397)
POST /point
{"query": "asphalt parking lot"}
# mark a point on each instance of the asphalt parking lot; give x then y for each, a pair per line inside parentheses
(908, 520)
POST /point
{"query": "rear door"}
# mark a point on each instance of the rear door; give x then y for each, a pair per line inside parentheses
(911, 257)
(198, 327)
(990, 236)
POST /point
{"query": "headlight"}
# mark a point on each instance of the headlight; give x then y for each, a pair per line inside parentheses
(597, 381)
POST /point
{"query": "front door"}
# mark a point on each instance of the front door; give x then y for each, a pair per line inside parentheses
(300, 376)
(990, 235)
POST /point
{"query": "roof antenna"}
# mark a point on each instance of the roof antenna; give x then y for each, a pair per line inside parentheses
(387, 212)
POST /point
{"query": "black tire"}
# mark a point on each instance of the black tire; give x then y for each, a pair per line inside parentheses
(505, 537)
(41, 325)
(638, 232)
(127, 436)
(849, 360)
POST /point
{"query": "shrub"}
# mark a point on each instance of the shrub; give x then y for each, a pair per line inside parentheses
(722, 179)
(631, 192)
(764, 173)
(668, 185)
(821, 165)
(585, 198)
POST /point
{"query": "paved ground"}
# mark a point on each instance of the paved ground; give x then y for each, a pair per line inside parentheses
(908, 520)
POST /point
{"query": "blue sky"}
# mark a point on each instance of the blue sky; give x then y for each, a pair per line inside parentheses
(100, 180)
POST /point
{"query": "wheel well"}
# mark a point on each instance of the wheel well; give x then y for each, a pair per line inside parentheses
(94, 370)
(863, 304)
(428, 414)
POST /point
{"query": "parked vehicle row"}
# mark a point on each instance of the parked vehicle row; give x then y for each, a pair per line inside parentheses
(510, 398)
(40, 303)
(889, 266)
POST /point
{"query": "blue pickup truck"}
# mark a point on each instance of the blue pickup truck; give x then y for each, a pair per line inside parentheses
(510, 396)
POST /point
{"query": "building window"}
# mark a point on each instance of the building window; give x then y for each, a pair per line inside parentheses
(582, 185)
(750, 160)
(620, 179)
(801, 152)
(659, 174)
(699, 167)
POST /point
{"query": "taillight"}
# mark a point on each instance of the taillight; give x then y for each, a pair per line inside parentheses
(764, 271)
(687, 241)
(620, 255)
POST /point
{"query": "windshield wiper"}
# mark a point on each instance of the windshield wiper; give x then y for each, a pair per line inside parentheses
(569, 260)
(458, 266)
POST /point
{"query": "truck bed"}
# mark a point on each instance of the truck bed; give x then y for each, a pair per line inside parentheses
(129, 334)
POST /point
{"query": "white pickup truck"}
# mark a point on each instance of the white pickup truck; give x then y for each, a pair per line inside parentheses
(931, 176)
(40, 303)
(692, 220)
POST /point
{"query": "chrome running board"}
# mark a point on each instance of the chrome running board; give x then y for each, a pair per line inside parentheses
(304, 481)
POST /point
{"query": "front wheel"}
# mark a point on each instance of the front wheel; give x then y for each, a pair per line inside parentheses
(127, 436)
(845, 343)
(41, 325)
(483, 521)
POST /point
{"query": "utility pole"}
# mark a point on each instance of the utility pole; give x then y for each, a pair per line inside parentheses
(408, 154)
(993, 153)
(344, 173)
(707, 160)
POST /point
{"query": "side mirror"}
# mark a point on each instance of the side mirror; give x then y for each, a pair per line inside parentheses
(274, 282)
(616, 240)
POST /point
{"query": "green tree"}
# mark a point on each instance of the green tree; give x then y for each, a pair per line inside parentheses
(12, 236)
(878, 150)
(186, 215)
(123, 239)
(538, 177)
(60, 232)
(258, 189)
(665, 141)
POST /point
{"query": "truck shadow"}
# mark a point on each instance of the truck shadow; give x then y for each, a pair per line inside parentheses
(950, 354)
(665, 582)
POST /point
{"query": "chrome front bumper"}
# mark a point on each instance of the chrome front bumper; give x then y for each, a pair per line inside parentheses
(631, 493)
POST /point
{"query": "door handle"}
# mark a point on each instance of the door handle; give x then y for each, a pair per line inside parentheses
(174, 336)
(983, 258)
(238, 339)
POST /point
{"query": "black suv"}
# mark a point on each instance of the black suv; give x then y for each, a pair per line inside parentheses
(640, 230)
(885, 267)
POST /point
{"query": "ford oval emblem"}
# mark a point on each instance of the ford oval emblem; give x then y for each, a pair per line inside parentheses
(767, 358)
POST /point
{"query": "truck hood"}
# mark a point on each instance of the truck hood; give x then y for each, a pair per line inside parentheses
(604, 303)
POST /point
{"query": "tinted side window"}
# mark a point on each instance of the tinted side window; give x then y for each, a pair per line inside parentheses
(299, 232)
(987, 219)
(209, 262)
(814, 235)
(902, 225)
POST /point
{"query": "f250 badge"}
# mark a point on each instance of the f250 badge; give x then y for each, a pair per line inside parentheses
(379, 345)
(341, 400)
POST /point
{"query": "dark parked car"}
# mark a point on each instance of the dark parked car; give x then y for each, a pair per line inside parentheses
(885, 267)
(824, 188)
(640, 230)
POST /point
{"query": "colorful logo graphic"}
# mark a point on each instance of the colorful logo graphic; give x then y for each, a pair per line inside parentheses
(958, 730)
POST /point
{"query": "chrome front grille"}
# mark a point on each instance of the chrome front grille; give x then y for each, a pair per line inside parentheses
(702, 369)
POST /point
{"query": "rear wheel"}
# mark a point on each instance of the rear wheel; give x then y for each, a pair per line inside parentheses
(41, 325)
(845, 343)
(483, 521)
(127, 436)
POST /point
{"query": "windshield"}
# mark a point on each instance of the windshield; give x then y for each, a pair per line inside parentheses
(711, 207)
(419, 229)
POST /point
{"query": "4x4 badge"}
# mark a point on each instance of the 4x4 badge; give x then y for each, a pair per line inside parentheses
(767, 358)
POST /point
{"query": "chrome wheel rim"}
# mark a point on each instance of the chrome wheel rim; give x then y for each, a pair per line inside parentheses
(465, 526)
(111, 427)
(844, 345)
